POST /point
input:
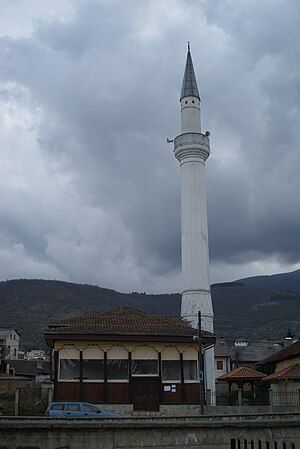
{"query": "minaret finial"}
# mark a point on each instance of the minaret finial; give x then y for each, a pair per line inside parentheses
(189, 47)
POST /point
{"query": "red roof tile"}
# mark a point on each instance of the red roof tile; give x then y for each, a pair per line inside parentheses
(123, 321)
(242, 373)
(290, 372)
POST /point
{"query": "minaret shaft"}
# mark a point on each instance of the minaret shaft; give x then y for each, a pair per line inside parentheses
(192, 148)
(195, 264)
(190, 115)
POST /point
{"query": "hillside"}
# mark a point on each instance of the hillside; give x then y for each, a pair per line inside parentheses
(29, 305)
(283, 281)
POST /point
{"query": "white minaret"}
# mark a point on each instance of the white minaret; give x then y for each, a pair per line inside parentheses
(192, 148)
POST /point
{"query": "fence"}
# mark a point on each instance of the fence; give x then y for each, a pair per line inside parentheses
(33, 401)
(7, 404)
(256, 398)
(30, 401)
(237, 443)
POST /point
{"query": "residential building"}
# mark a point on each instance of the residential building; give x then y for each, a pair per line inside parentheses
(222, 361)
(9, 343)
(285, 373)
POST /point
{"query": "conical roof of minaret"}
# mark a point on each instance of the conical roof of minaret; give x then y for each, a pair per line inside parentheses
(189, 84)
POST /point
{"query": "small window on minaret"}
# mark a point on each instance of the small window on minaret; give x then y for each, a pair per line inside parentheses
(193, 101)
(186, 102)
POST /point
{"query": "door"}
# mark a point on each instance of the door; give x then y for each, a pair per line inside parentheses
(145, 394)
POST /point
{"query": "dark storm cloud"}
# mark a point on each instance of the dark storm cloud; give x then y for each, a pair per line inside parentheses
(89, 96)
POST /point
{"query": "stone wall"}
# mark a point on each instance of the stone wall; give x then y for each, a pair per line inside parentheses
(209, 432)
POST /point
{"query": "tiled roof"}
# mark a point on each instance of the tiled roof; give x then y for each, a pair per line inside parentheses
(252, 353)
(123, 321)
(290, 372)
(242, 373)
(29, 367)
(291, 351)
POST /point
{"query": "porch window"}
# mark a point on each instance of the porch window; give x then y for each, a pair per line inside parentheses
(144, 361)
(117, 363)
(69, 363)
(93, 364)
(190, 365)
(170, 362)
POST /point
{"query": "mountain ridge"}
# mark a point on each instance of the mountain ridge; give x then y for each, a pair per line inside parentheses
(29, 305)
(282, 281)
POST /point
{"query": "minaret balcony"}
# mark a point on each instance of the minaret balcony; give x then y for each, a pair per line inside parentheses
(191, 145)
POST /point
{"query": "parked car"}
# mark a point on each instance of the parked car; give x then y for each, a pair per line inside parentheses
(78, 409)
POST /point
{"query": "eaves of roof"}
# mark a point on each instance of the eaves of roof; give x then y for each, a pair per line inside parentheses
(289, 372)
(241, 373)
(289, 352)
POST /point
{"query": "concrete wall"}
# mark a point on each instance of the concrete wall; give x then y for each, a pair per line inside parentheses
(217, 432)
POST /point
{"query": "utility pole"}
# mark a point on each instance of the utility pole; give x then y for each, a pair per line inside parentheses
(201, 365)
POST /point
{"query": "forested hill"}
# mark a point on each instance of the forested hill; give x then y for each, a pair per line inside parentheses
(283, 281)
(29, 305)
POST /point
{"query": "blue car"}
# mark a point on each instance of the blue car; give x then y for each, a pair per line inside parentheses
(78, 409)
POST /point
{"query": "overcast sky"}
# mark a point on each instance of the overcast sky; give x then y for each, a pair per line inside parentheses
(89, 92)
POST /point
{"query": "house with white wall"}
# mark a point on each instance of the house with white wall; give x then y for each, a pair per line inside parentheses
(9, 344)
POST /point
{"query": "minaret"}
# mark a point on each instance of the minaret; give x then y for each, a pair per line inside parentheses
(192, 148)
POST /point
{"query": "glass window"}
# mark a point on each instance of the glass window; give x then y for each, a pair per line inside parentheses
(219, 364)
(144, 367)
(144, 361)
(69, 364)
(69, 369)
(144, 353)
(190, 370)
(89, 408)
(92, 352)
(190, 354)
(117, 369)
(93, 369)
(171, 370)
(73, 407)
(93, 363)
(58, 406)
(117, 352)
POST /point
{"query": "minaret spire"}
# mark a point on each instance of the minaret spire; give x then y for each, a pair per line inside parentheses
(189, 84)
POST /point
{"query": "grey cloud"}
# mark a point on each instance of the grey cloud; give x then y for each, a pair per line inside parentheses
(105, 86)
